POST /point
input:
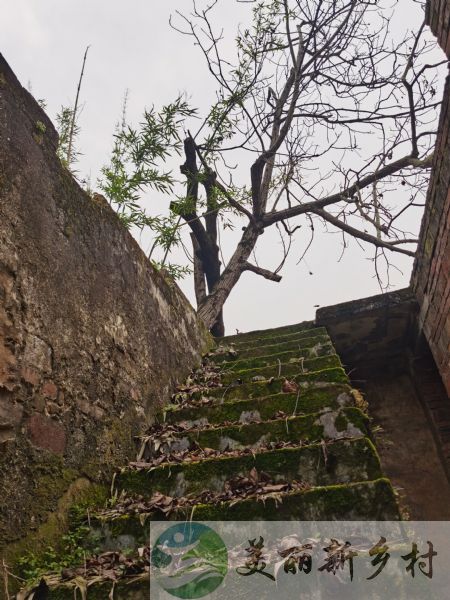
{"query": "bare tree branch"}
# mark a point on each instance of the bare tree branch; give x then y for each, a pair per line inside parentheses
(363, 235)
(329, 107)
(348, 193)
(263, 272)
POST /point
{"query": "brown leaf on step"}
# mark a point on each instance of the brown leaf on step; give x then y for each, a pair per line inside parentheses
(253, 475)
(274, 487)
(196, 453)
(257, 485)
(289, 386)
(162, 503)
(263, 476)
(108, 566)
(280, 414)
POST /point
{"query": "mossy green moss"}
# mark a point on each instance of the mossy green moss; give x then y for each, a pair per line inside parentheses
(290, 429)
(115, 445)
(57, 488)
(287, 369)
(51, 479)
(278, 332)
(284, 357)
(49, 537)
(261, 389)
(301, 344)
(365, 501)
(341, 422)
(356, 417)
(308, 401)
(295, 429)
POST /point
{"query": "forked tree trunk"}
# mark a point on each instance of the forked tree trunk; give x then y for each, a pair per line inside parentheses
(218, 329)
(212, 278)
(211, 308)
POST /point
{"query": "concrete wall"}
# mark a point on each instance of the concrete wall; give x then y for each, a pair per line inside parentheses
(368, 330)
(390, 362)
(92, 338)
(431, 274)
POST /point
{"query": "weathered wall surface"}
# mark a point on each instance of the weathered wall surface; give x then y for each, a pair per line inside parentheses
(92, 338)
(438, 18)
(370, 329)
(431, 274)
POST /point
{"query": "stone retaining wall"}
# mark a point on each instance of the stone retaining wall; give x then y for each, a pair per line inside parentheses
(92, 338)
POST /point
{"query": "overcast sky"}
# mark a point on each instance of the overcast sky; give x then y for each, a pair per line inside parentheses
(133, 47)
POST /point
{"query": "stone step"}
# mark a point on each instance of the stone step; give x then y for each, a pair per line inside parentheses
(257, 336)
(131, 587)
(230, 408)
(327, 425)
(359, 501)
(128, 530)
(372, 500)
(252, 362)
(224, 353)
(268, 387)
(342, 461)
(289, 369)
(327, 470)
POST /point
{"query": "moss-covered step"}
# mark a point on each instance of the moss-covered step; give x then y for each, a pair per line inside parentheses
(135, 587)
(289, 369)
(328, 425)
(309, 400)
(360, 501)
(231, 408)
(281, 333)
(228, 353)
(252, 362)
(342, 461)
(258, 389)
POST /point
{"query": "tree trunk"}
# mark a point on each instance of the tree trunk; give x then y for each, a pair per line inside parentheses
(199, 274)
(211, 309)
(211, 269)
(213, 277)
(218, 329)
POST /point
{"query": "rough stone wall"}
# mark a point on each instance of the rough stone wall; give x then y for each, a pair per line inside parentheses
(92, 338)
(431, 274)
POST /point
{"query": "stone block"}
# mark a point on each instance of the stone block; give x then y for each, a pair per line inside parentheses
(46, 434)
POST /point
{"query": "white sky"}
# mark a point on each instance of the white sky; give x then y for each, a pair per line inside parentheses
(133, 47)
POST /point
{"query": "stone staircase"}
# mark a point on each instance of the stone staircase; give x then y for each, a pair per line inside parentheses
(268, 428)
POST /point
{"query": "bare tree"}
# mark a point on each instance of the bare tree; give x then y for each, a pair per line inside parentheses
(334, 118)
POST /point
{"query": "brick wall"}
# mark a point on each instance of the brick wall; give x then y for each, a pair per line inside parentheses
(431, 273)
(438, 18)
